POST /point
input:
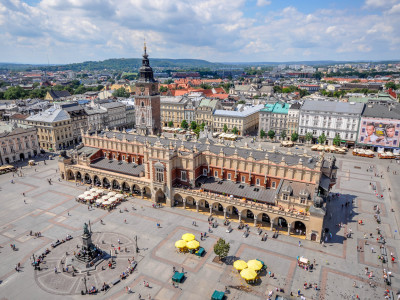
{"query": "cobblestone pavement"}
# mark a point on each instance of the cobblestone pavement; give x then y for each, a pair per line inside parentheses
(52, 210)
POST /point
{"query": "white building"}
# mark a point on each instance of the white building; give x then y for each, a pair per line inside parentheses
(17, 142)
(330, 118)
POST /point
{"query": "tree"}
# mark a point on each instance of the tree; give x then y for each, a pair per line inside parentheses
(163, 89)
(309, 136)
(283, 134)
(277, 89)
(294, 137)
(336, 140)
(271, 134)
(184, 124)
(121, 92)
(193, 125)
(235, 130)
(262, 133)
(202, 125)
(241, 102)
(170, 124)
(322, 139)
(390, 85)
(221, 248)
(225, 128)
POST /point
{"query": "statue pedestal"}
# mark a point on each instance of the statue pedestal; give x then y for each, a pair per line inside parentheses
(86, 241)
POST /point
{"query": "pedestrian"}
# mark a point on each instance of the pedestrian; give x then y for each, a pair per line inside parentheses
(372, 249)
(24, 201)
(299, 244)
(55, 270)
(183, 270)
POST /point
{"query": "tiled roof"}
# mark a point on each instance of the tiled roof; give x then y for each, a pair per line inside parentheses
(202, 145)
(118, 166)
(382, 111)
(240, 190)
(332, 106)
(238, 114)
(52, 114)
(59, 94)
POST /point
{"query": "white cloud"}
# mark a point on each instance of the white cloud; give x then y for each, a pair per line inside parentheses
(263, 2)
(77, 30)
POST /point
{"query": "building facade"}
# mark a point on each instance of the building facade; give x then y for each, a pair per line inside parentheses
(17, 142)
(293, 119)
(173, 110)
(205, 111)
(246, 185)
(116, 114)
(275, 117)
(79, 119)
(380, 127)
(245, 121)
(54, 128)
(330, 118)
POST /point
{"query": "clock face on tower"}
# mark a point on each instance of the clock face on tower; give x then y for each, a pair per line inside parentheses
(142, 88)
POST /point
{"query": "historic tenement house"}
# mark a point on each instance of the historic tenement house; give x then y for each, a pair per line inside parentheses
(278, 191)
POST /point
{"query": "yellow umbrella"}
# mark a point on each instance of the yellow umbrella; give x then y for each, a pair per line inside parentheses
(254, 264)
(180, 244)
(248, 274)
(188, 237)
(193, 244)
(240, 265)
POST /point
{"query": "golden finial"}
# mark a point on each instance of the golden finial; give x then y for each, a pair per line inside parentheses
(144, 45)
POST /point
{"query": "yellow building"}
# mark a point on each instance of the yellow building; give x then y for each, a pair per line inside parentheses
(173, 109)
(245, 121)
(54, 128)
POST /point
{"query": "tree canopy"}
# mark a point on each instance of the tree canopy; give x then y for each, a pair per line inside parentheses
(271, 134)
(221, 248)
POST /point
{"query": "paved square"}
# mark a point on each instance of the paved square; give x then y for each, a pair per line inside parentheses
(339, 264)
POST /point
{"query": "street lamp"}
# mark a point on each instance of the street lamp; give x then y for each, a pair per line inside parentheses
(84, 281)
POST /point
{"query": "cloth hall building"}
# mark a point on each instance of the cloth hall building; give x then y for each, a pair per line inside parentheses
(273, 190)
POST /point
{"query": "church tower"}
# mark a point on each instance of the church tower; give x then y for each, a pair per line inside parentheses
(147, 100)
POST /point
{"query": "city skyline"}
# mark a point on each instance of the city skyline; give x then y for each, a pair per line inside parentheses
(61, 32)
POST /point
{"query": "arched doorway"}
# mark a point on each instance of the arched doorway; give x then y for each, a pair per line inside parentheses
(232, 213)
(190, 201)
(299, 228)
(160, 197)
(88, 180)
(115, 185)
(78, 176)
(106, 183)
(22, 156)
(281, 224)
(96, 180)
(125, 187)
(70, 175)
(178, 200)
(147, 192)
(264, 220)
(313, 236)
(135, 189)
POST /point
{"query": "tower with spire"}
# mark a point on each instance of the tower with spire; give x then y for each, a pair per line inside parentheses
(147, 100)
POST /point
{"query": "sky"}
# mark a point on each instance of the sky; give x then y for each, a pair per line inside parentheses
(68, 31)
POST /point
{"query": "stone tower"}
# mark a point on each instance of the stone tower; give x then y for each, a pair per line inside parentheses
(147, 100)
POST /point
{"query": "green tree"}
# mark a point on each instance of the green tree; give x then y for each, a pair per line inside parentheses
(294, 137)
(322, 139)
(121, 92)
(277, 89)
(170, 124)
(206, 86)
(309, 136)
(80, 90)
(262, 133)
(15, 92)
(193, 125)
(221, 248)
(235, 130)
(390, 85)
(184, 124)
(163, 89)
(336, 140)
(225, 128)
(271, 134)
(202, 125)
(241, 102)
(169, 81)
(283, 134)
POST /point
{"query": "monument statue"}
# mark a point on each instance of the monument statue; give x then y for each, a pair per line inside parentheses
(85, 229)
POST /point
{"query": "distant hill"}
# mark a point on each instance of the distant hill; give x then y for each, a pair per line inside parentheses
(131, 64)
